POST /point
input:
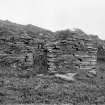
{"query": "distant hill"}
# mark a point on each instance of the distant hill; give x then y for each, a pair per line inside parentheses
(35, 31)
(14, 29)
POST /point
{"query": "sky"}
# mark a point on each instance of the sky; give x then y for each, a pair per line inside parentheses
(88, 15)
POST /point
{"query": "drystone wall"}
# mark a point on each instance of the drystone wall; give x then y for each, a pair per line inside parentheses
(72, 55)
(23, 54)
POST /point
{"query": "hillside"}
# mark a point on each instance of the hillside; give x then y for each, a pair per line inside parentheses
(25, 76)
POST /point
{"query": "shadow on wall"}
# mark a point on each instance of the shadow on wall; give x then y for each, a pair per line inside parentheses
(40, 63)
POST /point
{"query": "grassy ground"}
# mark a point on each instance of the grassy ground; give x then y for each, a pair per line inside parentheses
(51, 90)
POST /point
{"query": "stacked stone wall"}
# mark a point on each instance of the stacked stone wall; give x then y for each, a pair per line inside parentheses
(72, 55)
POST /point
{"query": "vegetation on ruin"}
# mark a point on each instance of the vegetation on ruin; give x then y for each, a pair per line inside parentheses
(23, 82)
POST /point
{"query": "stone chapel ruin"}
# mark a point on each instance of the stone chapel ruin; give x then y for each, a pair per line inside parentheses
(76, 53)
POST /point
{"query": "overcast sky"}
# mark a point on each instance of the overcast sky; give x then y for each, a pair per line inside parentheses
(88, 15)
